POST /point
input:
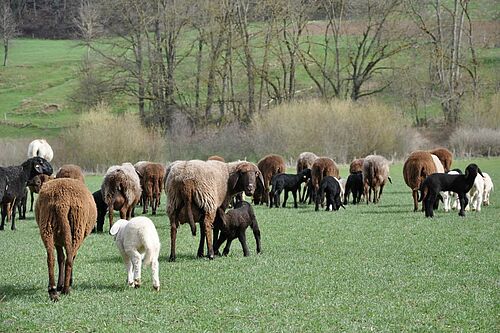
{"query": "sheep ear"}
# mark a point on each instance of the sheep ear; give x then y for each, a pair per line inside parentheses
(233, 180)
(116, 226)
(479, 171)
(261, 179)
(38, 168)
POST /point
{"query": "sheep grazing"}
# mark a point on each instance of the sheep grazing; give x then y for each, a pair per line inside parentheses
(35, 184)
(331, 187)
(137, 239)
(65, 213)
(71, 171)
(305, 161)
(488, 188)
(355, 186)
(233, 224)
(375, 176)
(151, 176)
(216, 158)
(15, 179)
(199, 187)
(460, 184)
(121, 190)
(288, 183)
(269, 166)
(40, 148)
(356, 166)
(102, 209)
(416, 168)
(445, 156)
(322, 167)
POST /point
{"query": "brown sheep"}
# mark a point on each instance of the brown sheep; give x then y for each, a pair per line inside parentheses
(196, 189)
(65, 213)
(71, 171)
(305, 161)
(416, 168)
(35, 184)
(356, 166)
(269, 166)
(445, 156)
(216, 158)
(151, 177)
(121, 188)
(322, 167)
(375, 176)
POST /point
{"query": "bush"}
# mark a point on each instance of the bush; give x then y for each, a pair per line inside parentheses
(102, 139)
(338, 129)
(483, 113)
(467, 142)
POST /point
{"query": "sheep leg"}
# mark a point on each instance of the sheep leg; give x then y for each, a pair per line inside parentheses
(110, 214)
(130, 269)
(208, 222)
(415, 200)
(243, 240)
(68, 269)
(294, 194)
(173, 236)
(202, 239)
(222, 238)
(60, 264)
(125, 212)
(136, 259)
(463, 203)
(429, 204)
(256, 234)
(4, 215)
(227, 247)
(155, 272)
(13, 214)
(285, 199)
(49, 248)
(32, 199)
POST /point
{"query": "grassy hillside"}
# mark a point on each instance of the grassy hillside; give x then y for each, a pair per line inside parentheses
(377, 268)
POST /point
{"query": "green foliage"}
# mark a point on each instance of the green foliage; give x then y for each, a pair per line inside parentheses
(366, 268)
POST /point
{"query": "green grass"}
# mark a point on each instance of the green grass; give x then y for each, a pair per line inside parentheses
(366, 268)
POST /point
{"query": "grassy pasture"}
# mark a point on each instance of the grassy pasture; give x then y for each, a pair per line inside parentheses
(366, 268)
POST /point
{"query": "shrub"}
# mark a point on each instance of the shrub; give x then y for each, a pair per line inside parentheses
(338, 129)
(475, 142)
(102, 139)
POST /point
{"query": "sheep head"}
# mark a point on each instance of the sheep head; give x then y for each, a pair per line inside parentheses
(244, 177)
(36, 166)
(472, 170)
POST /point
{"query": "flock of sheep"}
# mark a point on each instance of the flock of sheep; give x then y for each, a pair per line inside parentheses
(201, 192)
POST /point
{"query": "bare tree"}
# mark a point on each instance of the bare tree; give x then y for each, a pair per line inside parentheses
(88, 23)
(444, 25)
(8, 28)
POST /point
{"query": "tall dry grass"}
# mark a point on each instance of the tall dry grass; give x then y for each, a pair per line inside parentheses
(338, 129)
(102, 139)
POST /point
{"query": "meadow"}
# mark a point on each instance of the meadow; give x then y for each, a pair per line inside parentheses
(380, 268)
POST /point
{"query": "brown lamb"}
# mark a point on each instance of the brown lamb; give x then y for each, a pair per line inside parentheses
(151, 176)
(269, 166)
(71, 171)
(416, 168)
(65, 213)
(322, 167)
(445, 156)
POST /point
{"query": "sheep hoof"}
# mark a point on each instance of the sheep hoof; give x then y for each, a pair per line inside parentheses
(66, 291)
(156, 288)
(137, 283)
(54, 297)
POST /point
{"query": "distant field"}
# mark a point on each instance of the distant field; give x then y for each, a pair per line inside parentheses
(366, 268)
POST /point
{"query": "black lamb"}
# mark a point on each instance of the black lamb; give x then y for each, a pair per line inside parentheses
(331, 187)
(460, 184)
(16, 178)
(287, 182)
(233, 224)
(102, 209)
(354, 184)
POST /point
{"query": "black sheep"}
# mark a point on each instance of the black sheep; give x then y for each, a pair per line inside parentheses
(331, 187)
(287, 182)
(233, 224)
(16, 178)
(437, 182)
(102, 209)
(354, 184)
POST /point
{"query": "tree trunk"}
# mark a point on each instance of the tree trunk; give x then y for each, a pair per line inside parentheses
(6, 51)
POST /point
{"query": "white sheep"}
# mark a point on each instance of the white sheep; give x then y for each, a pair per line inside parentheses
(138, 243)
(40, 148)
(488, 187)
(476, 194)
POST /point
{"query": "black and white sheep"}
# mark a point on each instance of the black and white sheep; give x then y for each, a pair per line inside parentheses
(137, 239)
(288, 183)
(65, 213)
(15, 179)
(199, 188)
(437, 182)
(330, 187)
(233, 224)
(40, 148)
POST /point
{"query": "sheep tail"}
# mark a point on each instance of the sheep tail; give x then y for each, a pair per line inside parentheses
(190, 214)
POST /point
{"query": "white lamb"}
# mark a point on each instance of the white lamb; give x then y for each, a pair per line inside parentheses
(488, 187)
(138, 243)
(448, 195)
(40, 148)
(476, 194)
